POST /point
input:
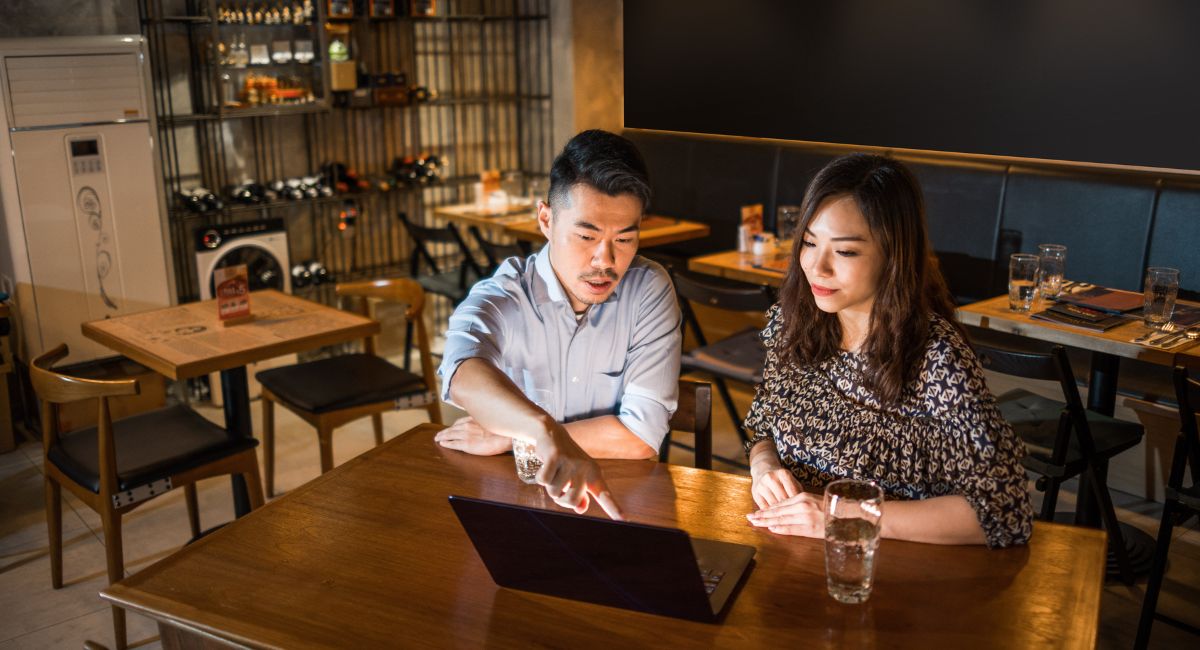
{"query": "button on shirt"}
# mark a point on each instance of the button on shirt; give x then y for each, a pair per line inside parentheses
(621, 358)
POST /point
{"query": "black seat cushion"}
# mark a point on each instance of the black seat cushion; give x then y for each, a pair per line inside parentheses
(1187, 496)
(150, 447)
(340, 382)
(739, 357)
(1035, 420)
(446, 283)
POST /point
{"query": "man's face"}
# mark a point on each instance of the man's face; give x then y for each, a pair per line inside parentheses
(593, 238)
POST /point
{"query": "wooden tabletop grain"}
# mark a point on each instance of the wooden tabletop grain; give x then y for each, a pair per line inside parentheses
(994, 314)
(740, 266)
(189, 340)
(371, 555)
(656, 231)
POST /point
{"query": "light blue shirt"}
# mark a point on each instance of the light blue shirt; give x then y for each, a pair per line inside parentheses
(621, 358)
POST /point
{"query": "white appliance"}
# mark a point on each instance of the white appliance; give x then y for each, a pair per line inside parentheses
(262, 246)
(83, 205)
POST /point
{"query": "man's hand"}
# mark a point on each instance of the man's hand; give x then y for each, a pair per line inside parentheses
(467, 435)
(570, 476)
(801, 515)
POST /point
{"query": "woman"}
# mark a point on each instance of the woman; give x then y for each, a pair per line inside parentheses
(868, 377)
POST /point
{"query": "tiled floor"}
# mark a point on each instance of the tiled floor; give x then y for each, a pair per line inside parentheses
(32, 615)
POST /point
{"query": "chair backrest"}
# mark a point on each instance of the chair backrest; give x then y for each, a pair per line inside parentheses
(719, 293)
(694, 415)
(494, 252)
(1187, 446)
(399, 290)
(55, 388)
(1047, 366)
(423, 236)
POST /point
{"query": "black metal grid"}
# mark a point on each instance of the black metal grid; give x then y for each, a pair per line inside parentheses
(489, 61)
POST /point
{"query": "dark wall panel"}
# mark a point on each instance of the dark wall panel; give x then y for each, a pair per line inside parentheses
(1102, 81)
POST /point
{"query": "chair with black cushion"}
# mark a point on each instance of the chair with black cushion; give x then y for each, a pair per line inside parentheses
(693, 415)
(115, 467)
(454, 284)
(1063, 439)
(494, 252)
(1182, 501)
(329, 393)
(739, 357)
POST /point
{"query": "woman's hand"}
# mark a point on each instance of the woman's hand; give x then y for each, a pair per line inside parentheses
(773, 486)
(771, 483)
(801, 515)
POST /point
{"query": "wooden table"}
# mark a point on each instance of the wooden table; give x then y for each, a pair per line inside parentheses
(1107, 348)
(468, 214)
(189, 341)
(519, 222)
(655, 231)
(741, 266)
(371, 555)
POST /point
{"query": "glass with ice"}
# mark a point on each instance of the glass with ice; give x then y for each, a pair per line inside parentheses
(524, 450)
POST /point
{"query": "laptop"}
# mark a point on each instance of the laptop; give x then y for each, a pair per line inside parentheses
(615, 563)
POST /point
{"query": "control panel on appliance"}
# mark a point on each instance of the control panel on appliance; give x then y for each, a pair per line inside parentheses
(85, 156)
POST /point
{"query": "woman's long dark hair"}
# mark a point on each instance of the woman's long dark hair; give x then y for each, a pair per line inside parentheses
(911, 287)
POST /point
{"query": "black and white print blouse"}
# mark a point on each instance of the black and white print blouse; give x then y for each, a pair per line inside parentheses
(944, 437)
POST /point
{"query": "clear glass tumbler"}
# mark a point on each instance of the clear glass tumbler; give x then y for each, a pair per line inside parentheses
(1022, 281)
(1161, 288)
(1052, 266)
(787, 219)
(853, 510)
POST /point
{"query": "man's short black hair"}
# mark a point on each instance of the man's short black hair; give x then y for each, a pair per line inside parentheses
(606, 161)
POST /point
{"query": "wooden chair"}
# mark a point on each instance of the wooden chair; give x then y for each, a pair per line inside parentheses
(739, 357)
(1063, 439)
(115, 467)
(694, 415)
(329, 393)
(1182, 501)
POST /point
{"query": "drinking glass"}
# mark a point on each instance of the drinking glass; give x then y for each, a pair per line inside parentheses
(513, 184)
(538, 189)
(787, 218)
(1022, 281)
(852, 512)
(1162, 286)
(1052, 266)
(525, 451)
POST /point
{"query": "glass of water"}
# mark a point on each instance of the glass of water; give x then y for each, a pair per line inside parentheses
(1162, 286)
(1052, 265)
(787, 218)
(525, 451)
(853, 510)
(1022, 281)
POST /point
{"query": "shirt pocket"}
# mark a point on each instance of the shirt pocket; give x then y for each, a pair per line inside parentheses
(604, 391)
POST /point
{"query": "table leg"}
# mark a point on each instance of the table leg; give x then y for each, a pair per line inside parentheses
(1102, 386)
(236, 393)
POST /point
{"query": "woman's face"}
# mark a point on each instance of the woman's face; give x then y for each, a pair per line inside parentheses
(840, 258)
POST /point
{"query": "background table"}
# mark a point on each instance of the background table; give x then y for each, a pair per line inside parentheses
(189, 340)
(740, 266)
(520, 223)
(371, 555)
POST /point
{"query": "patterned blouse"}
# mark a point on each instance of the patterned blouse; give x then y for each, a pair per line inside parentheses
(945, 437)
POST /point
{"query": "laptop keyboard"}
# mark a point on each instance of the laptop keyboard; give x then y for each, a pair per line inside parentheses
(711, 578)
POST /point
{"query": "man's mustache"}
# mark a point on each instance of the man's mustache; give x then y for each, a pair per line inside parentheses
(606, 274)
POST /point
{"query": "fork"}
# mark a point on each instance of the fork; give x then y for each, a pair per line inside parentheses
(1155, 335)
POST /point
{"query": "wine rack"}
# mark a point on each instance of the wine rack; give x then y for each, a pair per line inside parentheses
(465, 83)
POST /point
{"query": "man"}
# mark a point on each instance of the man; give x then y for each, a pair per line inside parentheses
(586, 318)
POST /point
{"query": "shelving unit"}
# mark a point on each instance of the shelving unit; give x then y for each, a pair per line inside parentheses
(487, 60)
